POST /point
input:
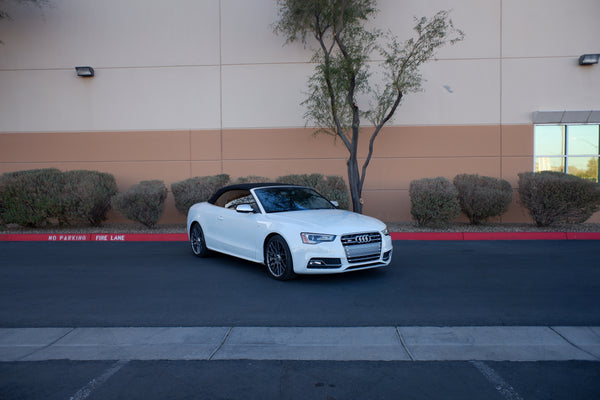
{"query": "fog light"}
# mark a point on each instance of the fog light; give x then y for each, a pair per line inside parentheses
(386, 255)
(324, 263)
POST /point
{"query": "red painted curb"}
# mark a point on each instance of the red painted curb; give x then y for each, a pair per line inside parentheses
(177, 237)
(427, 236)
(583, 235)
(515, 236)
(495, 235)
(94, 237)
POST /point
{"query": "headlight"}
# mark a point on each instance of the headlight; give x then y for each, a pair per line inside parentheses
(316, 238)
(386, 232)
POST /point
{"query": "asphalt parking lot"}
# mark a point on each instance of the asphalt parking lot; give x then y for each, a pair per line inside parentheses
(301, 380)
(513, 314)
(491, 283)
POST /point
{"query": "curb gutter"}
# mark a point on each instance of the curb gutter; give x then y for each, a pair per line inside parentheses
(177, 237)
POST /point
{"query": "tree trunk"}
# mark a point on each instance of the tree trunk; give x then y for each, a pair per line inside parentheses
(354, 183)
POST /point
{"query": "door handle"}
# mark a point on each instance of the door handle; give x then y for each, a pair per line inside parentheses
(220, 218)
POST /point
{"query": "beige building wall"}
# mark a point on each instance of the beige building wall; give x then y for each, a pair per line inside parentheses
(188, 88)
(404, 153)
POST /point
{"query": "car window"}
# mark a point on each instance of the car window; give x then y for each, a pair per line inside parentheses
(281, 199)
(233, 198)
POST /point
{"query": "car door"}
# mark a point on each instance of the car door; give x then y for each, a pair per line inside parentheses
(234, 231)
(238, 233)
(210, 220)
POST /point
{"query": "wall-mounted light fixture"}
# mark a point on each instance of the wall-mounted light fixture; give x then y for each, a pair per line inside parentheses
(85, 72)
(589, 59)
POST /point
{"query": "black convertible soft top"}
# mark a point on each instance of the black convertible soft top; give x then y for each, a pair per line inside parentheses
(242, 186)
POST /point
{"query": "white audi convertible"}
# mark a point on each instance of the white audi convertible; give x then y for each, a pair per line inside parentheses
(291, 229)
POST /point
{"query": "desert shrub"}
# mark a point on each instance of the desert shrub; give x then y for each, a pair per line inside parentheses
(87, 196)
(143, 203)
(196, 190)
(434, 201)
(333, 187)
(309, 180)
(482, 197)
(554, 197)
(38, 197)
(251, 179)
(31, 198)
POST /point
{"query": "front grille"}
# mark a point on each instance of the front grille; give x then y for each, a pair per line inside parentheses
(362, 247)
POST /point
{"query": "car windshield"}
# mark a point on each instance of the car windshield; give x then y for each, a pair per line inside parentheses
(279, 199)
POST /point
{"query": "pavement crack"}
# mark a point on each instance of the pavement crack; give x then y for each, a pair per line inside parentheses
(573, 344)
(221, 344)
(404, 345)
(47, 346)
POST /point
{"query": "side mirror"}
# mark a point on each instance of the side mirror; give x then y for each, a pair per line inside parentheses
(335, 204)
(245, 209)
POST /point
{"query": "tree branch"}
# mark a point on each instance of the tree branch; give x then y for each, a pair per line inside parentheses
(320, 37)
(376, 132)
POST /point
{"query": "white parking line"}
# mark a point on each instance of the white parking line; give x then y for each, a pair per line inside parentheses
(507, 391)
(87, 390)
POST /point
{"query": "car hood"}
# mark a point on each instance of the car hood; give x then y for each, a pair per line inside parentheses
(328, 221)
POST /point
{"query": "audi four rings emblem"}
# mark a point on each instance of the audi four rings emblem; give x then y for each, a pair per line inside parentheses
(363, 239)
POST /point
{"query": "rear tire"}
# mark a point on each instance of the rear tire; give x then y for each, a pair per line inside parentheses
(278, 259)
(197, 241)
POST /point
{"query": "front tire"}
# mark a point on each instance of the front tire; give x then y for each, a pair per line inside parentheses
(279, 259)
(197, 241)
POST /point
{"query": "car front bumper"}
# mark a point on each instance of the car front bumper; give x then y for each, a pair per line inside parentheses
(334, 257)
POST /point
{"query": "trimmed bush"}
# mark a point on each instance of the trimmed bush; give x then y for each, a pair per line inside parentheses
(196, 190)
(309, 180)
(554, 197)
(87, 196)
(41, 196)
(434, 201)
(31, 198)
(482, 197)
(334, 188)
(143, 203)
(251, 179)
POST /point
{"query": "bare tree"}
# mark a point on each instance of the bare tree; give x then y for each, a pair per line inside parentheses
(343, 62)
(5, 15)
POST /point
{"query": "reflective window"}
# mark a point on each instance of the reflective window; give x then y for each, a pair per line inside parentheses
(550, 164)
(279, 199)
(574, 149)
(233, 198)
(582, 140)
(550, 140)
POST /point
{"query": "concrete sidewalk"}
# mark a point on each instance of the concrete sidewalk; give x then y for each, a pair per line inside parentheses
(296, 343)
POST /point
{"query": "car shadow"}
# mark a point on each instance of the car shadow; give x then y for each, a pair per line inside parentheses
(245, 269)
(346, 277)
